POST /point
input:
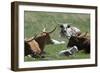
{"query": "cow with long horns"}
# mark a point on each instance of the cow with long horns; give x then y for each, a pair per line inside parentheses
(35, 46)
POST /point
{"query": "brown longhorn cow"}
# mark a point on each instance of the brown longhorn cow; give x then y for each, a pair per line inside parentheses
(82, 42)
(35, 46)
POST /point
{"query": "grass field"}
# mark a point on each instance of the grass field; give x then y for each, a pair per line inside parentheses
(34, 22)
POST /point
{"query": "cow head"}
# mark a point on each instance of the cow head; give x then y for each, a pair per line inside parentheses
(76, 40)
(72, 41)
(46, 36)
(63, 31)
(67, 31)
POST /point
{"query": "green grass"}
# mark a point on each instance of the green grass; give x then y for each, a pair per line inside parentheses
(52, 54)
(34, 22)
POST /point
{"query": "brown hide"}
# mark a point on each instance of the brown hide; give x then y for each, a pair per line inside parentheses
(82, 42)
(34, 47)
(37, 44)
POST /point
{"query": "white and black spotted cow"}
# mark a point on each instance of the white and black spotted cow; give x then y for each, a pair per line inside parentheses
(68, 31)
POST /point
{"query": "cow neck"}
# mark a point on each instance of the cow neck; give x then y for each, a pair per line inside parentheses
(41, 41)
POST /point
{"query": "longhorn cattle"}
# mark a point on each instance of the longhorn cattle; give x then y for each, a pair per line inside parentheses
(35, 46)
(82, 42)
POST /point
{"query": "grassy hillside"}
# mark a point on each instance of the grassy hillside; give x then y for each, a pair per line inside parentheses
(34, 22)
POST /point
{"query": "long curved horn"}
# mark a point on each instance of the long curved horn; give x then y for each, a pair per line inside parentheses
(31, 38)
(43, 28)
(53, 30)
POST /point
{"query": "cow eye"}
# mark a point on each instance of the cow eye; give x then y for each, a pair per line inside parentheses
(68, 26)
(61, 26)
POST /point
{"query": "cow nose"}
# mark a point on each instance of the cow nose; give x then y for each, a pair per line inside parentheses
(64, 31)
